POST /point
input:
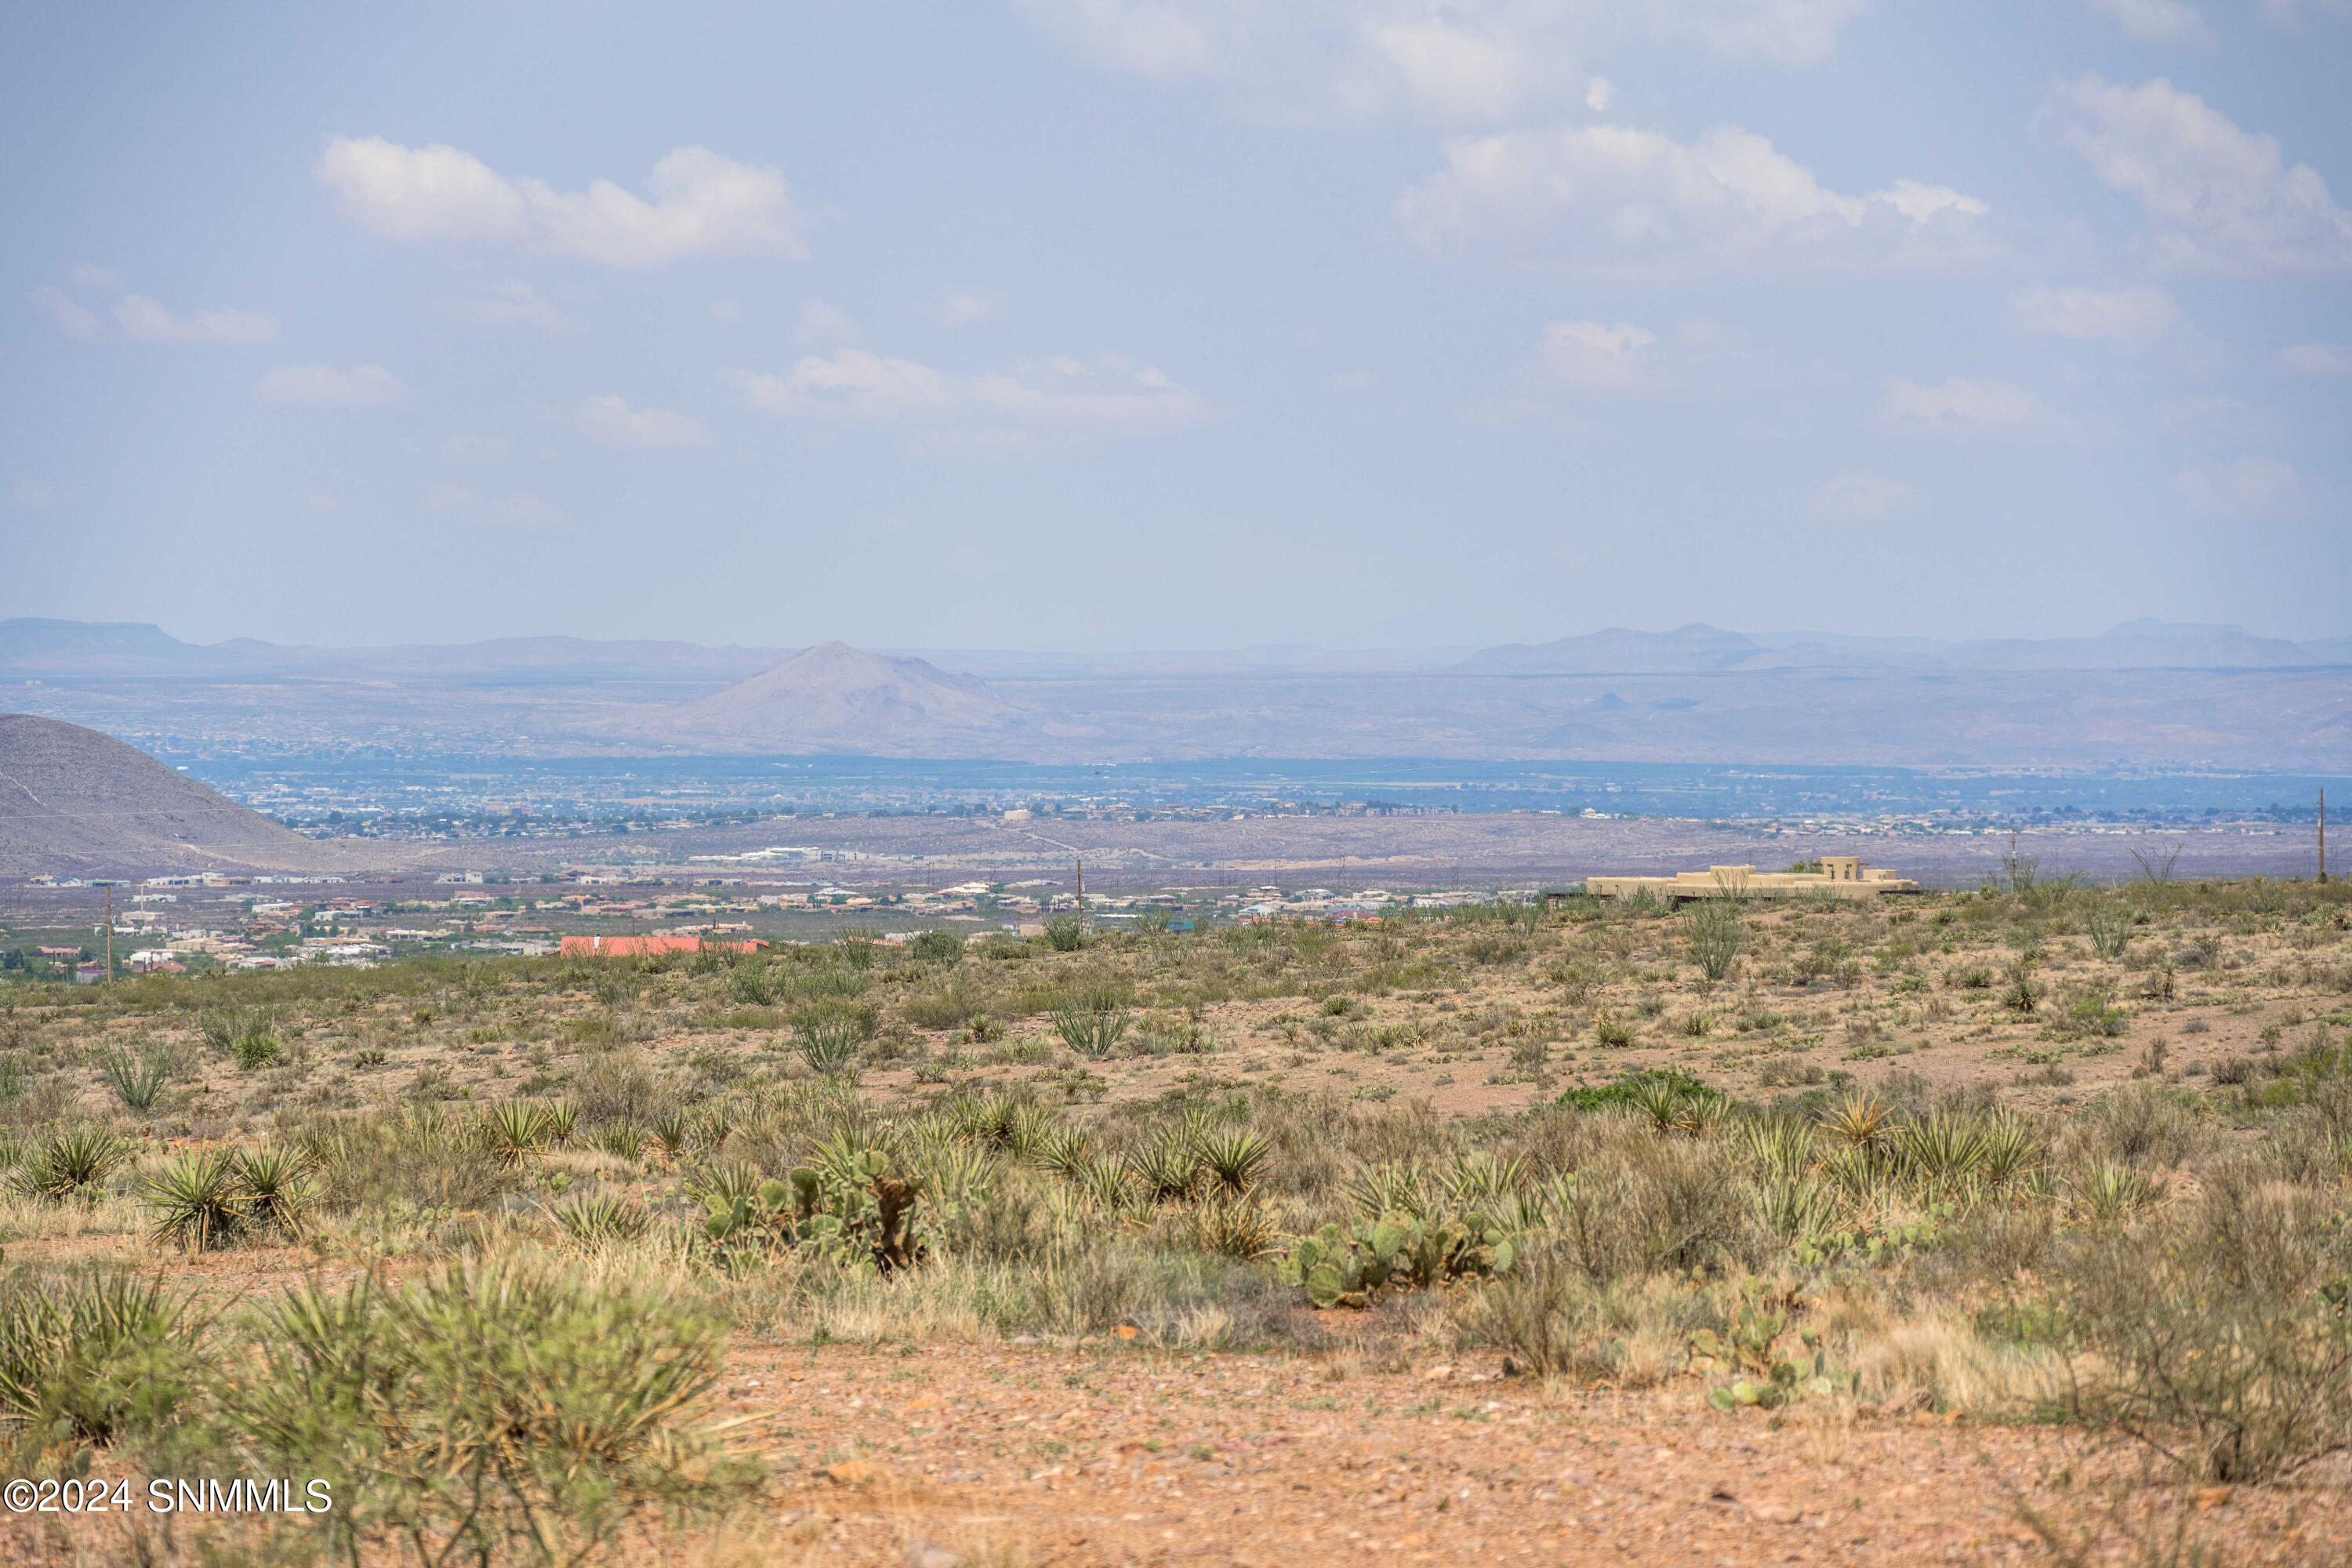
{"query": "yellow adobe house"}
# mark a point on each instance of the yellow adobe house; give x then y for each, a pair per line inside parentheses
(1840, 877)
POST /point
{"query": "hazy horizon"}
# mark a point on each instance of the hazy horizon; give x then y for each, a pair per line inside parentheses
(1177, 324)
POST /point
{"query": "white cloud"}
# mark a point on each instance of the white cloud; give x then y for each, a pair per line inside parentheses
(610, 420)
(509, 302)
(2174, 21)
(474, 451)
(2247, 484)
(527, 512)
(1607, 199)
(98, 279)
(143, 321)
(703, 204)
(1468, 60)
(1599, 94)
(2317, 359)
(2216, 196)
(969, 307)
(2134, 314)
(1060, 395)
(1960, 406)
(1594, 354)
(38, 495)
(77, 319)
(1858, 493)
(332, 386)
(820, 325)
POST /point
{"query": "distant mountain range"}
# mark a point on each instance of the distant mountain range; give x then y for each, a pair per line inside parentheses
(2143, 694)
(60, 649)
(1697, 648)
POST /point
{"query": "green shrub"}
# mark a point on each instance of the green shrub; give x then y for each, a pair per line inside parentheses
(90, 1358)
(492, 1411)
(138, 1081)
(74, 1162)
(1715, 935)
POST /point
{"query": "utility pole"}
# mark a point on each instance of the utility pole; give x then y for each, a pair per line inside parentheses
(2322, 837)
(1081, 862)
(109, 910)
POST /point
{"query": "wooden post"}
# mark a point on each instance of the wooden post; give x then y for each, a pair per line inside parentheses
(110, 924)
(1081, 863)
(2323, 837)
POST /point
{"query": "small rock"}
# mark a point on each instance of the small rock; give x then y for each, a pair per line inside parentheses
(1774, 1512)
(1437, 1374)
(924, 1555)
(1024, 1340)
(2214, 1496)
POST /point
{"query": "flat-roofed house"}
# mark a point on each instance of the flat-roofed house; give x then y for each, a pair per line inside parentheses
(1840, 877)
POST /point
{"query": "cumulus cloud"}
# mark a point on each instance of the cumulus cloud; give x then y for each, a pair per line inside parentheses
(1960, 406)
(1608, 198)
(821, 325)
(2217, 197)
(76, 320)
(1058, 396)
(2317, 359)
(969, 307)
(2173, 22)
(143, 321)
(1470, 60)
(1858, 493)
(332, 386)
(1593, 354)
(2134, 315)
(610, 420)
(2247, 484)
(509, 302)
(701, 205)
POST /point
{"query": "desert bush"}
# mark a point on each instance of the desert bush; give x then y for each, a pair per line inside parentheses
(1714, 933)
(2218, 1338)
(492, 1411)
(89, 1358)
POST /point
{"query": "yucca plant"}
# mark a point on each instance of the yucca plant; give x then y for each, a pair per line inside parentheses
(1482, 1180)
(1940, 1148)
(2011, 1150)
(276, 1188)
(513, 1132)
(88, 1355)
(1782, 1145)
(671, 1129)
(1234, 1158)
(138, 1081)
(623, 1141)
(1094, 1032)
(75, 1163)
(199, 1202)
(1796, 1208)
(1104, 1180)
(602, 1220)
(1234, 1226)
(1168, 1168)
(1859, 1121)
(560, 1121)
(829, 1042)
(2108, 1193)
(258, 1049)
(1392, 1187)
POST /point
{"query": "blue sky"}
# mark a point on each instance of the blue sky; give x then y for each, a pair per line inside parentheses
(1161, 324)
